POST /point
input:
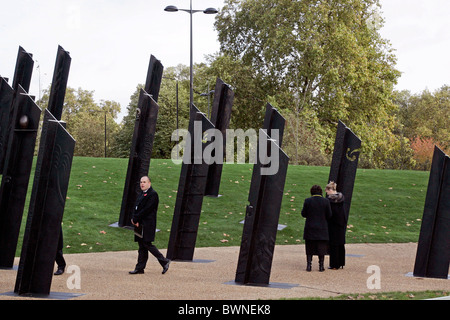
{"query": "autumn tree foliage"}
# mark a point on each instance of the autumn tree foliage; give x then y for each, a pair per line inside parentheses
(425, 119)
(318, 62)
(423, 149)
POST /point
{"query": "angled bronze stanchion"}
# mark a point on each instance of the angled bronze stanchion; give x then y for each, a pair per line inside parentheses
(263, 211)
(347, 148)
(142, 141)
(22, 77)
(433, 248)
(46, 209)
(191, 190)
(220, 118)
(48, 195)
(16, 173)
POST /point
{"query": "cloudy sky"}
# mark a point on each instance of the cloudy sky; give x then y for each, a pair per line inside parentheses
(110, 41)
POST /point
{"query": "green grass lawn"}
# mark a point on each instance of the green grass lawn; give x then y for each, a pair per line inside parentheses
(395, 295)
(387, 205)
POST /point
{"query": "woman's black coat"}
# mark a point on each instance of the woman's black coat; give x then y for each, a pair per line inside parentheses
(145, 213)
(337, 225)
(317, 211)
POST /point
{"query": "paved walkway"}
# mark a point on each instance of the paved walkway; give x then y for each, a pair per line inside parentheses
(104, 276)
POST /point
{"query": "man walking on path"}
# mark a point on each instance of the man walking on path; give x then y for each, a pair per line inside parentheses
(144, 220)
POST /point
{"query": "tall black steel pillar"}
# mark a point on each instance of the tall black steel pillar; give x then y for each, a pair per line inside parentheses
(16, 173)
(6, 100)
(154, 77)
(142, 141)
(347, 148)
(141, 152)
(191, 190)
(59, 83)
(220, 118)
(48, 195)
(46, 209)
(23, 70)
(433, 248)
(263, 212)
(22, 77)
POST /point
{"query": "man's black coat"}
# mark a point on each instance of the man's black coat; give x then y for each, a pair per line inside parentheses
(145, 213)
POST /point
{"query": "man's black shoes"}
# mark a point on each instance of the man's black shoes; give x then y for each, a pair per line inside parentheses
(166, 267)
(136, 271)
(141, 271)
(59, 272)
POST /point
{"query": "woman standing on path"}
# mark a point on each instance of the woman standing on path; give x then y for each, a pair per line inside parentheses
(337, 227)
(317, 211)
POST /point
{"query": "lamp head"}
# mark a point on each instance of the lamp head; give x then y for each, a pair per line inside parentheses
(171, 9)
(210, 11)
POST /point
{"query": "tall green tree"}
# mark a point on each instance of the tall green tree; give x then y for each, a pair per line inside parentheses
(89, 122)
(426, 115)
(323, 61)
(167, 114)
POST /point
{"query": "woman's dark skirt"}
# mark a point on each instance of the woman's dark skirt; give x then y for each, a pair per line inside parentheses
(316, 247)
(337, 256)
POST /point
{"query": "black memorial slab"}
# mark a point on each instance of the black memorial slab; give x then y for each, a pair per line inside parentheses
(142, 141)
(141, 152)
(46, 209)
(154, 77)
(347, 148)
(433, 248)
(22, 77)
(6, 99)
(23, 70)
(220, 118)
(191, 190)
(263, 212)
(273, 120)
(16, 174)
(59, 83)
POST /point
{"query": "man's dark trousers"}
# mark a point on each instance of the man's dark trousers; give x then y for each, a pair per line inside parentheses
(144, 248)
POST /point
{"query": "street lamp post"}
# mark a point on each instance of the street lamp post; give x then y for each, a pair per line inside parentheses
(191, 12)
(208, 94)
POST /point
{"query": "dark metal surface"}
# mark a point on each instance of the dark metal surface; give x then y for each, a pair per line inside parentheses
(6, 99)
(140, 154)
(46, 209)
(345, 162)
(433, 248)
(23, 70)
(22, 78)
(16, 175)
(262, 213)
(154, 77)
(191, 190)
(142, 141)
(59, 83)
(220, 118)
(273, 120)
